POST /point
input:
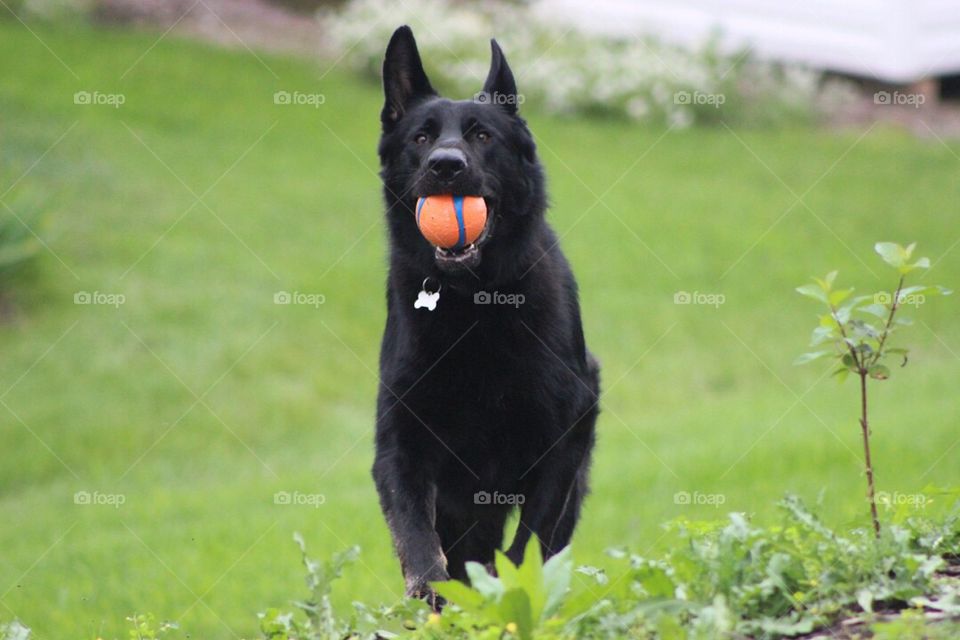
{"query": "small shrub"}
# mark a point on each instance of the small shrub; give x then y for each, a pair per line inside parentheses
(857, 333)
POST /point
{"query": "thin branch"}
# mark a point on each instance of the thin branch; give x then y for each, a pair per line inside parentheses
(894, 305)
(865, 430)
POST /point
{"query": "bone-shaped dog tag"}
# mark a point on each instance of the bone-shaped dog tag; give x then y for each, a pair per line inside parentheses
(427, 299)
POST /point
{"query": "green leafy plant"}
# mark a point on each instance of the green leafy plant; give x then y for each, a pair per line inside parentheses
(518, 601)
(22, 217)
(726, 579)
(143, 626)
(857, 332)
(321, 621)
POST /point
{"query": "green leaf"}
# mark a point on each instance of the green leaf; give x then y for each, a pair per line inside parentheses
(506, 570)
(841, 374)
(900, 351)
(843, 313)
(530, 577)
(669, 628)
(826, 284)
(810, 357)
(922, 263)
(823, 334)
(838, 296)
(879, 372)
(923, 290)
(827, 321)
(892, 253)
(596, 573)
(557, 573)
(859, 330)
(812, 291)
(917, 288)
(878, 310)
(656, 582)
(515, 607)
(458, 593)
(491, 588)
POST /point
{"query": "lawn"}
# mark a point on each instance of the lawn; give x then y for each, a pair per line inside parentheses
(198, 399)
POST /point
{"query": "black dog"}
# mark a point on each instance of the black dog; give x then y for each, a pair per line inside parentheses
(488, 401)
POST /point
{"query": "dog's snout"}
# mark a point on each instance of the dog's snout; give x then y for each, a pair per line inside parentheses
(446, 162)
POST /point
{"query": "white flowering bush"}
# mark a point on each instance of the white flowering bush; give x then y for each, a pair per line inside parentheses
(567, 71)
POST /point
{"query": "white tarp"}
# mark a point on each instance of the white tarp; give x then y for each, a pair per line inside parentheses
(893, 40)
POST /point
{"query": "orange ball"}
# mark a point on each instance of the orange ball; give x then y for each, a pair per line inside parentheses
(451, 222)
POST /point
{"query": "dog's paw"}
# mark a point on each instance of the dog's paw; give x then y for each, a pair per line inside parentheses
(420, 588)
(427, 593)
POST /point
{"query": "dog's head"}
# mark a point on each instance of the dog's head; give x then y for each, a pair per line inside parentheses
(431, 145)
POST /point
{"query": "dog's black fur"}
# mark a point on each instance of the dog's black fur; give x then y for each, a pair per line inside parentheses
(475, 397)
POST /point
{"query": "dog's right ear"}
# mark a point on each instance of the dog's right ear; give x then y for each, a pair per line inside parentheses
(404, 80)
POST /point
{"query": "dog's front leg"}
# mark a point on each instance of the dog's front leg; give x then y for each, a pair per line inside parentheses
(408, 500)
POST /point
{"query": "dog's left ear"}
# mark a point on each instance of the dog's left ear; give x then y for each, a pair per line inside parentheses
(500, 86)
(404, 80)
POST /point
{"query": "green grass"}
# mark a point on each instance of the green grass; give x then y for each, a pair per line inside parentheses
(696, 398)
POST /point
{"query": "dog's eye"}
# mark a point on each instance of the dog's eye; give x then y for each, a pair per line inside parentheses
(483, 136)
(421, 138)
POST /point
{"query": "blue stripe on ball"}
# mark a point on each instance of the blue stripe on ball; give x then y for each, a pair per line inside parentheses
(419, 207)
(458, 207)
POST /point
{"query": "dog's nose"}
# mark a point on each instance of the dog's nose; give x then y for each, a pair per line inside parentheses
(446, 163)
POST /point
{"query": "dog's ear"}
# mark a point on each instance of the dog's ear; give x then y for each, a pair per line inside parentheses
(500, 86)
(404, 80)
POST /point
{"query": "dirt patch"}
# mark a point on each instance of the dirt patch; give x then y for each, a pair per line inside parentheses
(916, 108)
(856, 626)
